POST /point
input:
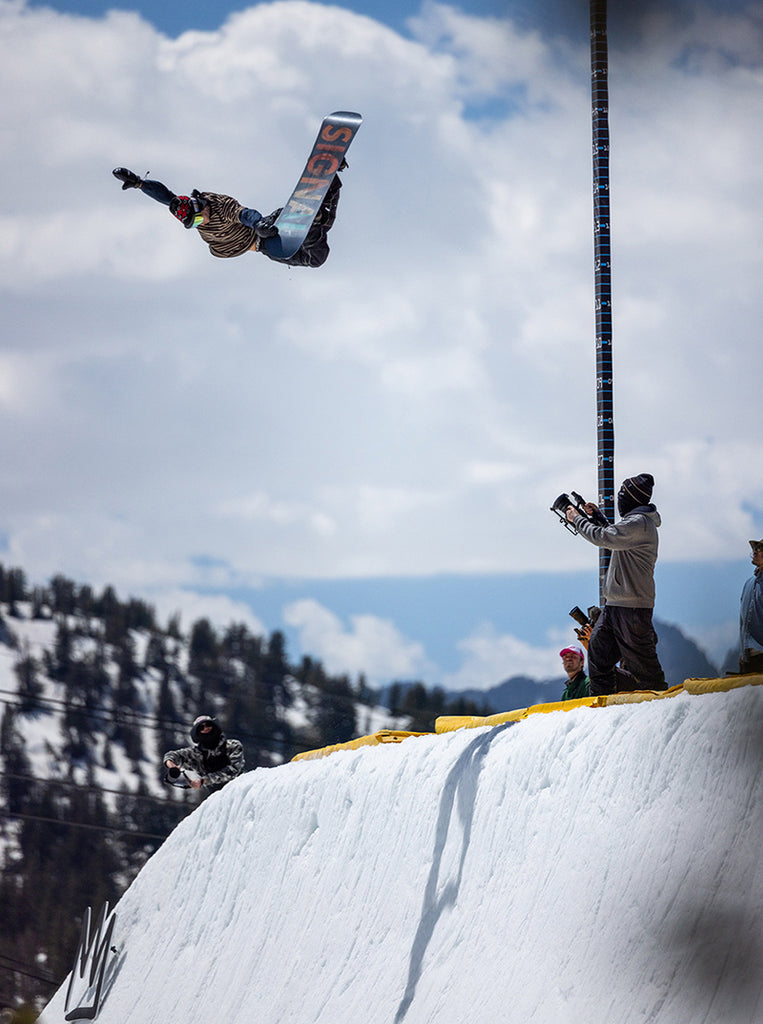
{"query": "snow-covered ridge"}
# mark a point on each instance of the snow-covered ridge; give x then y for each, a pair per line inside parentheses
(573, 868)
(108, 764)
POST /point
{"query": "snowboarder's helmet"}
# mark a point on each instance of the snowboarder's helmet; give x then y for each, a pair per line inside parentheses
(188, 210)
(206, 732)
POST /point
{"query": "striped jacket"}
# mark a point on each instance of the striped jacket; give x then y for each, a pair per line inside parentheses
(225, 235)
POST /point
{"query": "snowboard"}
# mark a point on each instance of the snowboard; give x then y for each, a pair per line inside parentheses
(336, 133)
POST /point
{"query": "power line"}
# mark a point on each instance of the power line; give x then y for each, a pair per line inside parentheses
(20, 968)
(81, 824)
(162, 801)
(117, 717)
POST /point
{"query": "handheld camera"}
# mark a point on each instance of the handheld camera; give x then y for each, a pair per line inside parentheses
(180, 778)
(582, 620)
(576, 501)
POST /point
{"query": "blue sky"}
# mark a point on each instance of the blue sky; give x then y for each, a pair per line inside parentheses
(365, 454)
(175, 16)
(559, 17)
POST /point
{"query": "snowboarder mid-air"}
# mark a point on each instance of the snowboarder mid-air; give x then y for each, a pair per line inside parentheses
(230, 229)
(212, 761)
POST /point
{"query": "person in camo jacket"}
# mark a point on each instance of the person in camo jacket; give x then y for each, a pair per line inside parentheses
(230, 229)
(215, 759)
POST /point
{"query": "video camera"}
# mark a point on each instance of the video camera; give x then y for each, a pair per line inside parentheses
(179, 778)
(576, 501)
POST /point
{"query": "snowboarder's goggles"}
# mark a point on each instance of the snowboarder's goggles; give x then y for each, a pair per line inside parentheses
(198, 219)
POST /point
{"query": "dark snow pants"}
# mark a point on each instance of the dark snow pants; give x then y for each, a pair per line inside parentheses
(751, 661)
(626, 635)
(314, 250)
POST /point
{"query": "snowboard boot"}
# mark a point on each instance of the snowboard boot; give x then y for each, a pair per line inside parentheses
(327, 213)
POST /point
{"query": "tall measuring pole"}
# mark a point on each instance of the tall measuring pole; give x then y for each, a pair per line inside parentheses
(602, 271)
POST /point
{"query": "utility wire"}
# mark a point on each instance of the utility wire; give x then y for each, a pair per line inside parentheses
(162, 801)
(20, 968)
(118, 715)
(81, 824)
(126, 716)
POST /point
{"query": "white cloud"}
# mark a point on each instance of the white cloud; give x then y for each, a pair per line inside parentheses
(370, 645)
(414, 406)
(490, 658)
(219, 609)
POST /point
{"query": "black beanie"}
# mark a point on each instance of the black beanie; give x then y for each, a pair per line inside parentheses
(635, 491)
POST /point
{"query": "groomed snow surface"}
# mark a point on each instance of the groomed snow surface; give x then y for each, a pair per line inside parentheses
(598, 865)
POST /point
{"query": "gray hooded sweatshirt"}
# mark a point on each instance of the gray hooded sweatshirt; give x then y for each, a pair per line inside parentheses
(633, 543)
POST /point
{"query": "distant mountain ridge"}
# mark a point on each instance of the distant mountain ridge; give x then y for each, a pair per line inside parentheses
(680, 657)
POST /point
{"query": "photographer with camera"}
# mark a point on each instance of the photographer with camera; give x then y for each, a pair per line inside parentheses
(213, 760)
(624, 630)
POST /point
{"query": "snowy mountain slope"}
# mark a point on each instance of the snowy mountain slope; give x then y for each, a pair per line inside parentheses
(574, 868)
(42, 731)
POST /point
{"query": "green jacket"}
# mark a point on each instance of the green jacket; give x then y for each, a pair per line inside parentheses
(576, 687)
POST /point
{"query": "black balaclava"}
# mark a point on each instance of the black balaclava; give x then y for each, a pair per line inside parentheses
(635, 491)
(208, 740)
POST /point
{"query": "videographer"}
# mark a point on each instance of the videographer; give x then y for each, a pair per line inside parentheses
(213, 759)
(624, 630)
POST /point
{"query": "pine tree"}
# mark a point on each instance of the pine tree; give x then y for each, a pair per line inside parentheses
(335, 719)
(63, 595)
(30, 688)
(168, 738)
(14, 590)
(59, 666)
(203, 661)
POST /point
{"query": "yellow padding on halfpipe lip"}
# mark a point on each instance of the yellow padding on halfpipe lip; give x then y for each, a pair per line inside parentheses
(637, 696)
(722, 685)
(449, 723)
(564, 705)
(373, 740)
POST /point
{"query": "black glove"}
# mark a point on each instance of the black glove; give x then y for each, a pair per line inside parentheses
(129, 179)
(266, 227)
